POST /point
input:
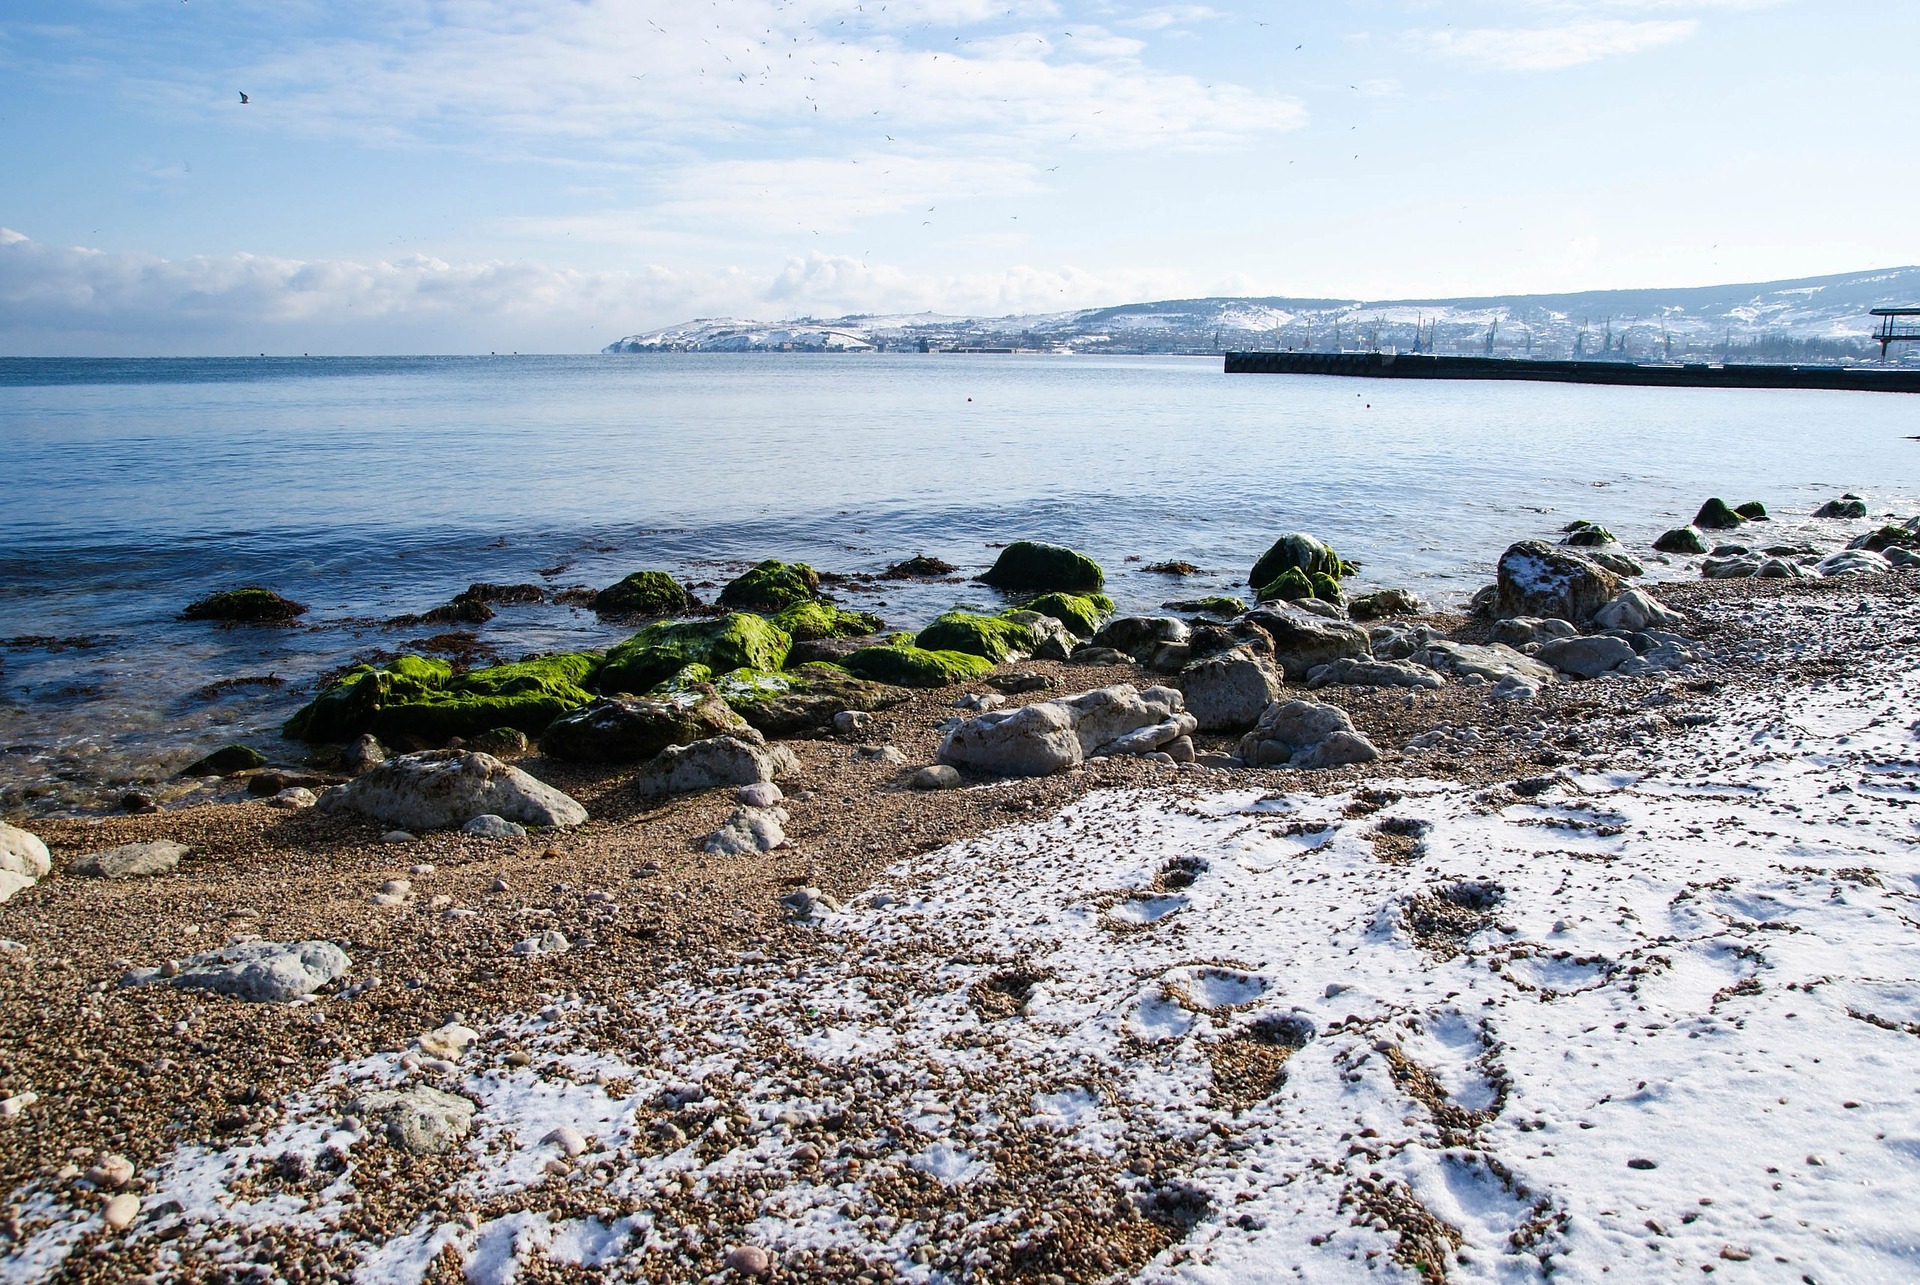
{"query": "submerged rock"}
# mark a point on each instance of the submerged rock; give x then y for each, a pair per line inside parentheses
(1752, 511)
(771, 586)
(645, 593)
(1682, 539)
(1540, 579)
(250, 606)
(442, 789)
(1847, 506)
(1305, 734)
(1027, 566)
(919, 567)
(1296, 551)
(1053, 736)
(258, 972)
(1714, 515)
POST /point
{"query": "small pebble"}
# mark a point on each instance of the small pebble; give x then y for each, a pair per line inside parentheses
(397, 836)
(111, 1171)
(567, 1138)
(119, 1212)
(761, 794)
(749, 1260)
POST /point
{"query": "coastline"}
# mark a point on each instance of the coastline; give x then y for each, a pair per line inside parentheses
(885, 1030)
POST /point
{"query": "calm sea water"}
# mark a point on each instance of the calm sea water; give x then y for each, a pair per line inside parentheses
(371, 487)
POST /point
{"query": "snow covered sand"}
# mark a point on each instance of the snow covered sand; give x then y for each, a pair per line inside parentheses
(1636, 1023)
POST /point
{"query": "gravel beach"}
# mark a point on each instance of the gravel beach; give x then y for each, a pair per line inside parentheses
(1614, 981)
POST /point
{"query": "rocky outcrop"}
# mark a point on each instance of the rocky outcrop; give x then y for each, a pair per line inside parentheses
(1305, 734)
(1053, 736)
(631, 730)
(1302, 641)
(1540, 579)
(443, 789)
(1228, 692)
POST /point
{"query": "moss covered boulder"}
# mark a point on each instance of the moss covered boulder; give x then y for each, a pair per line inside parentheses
(794, 700)
(645, 593)
(1752, 511)
(771, 586)
(995, 638)
(1293, 584)
(1027, 566)
(346, 707)
(738, 640)
(1214, 605)
(525, 696)
(1083, 613)
(1682, 539)
(1296, 551)
(904, 665)
(1588, 535)
(812, 621)
(1714, 515)
(250, 606)
(631, 730)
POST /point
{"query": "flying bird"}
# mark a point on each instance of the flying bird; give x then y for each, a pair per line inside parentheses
(245, 99)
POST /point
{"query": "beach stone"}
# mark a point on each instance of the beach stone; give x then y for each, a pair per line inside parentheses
(1021, 681)
(1616, 561)
(1091, 655)
(1587, 657)
(1518, 631)
(499, 741)
(1397, 642)
(632, 730)
(226, 761)
(1682, 539)
(1228, 692)
(294, 798)
(717, 761)
(761, 794)
(1052, 640)
(1847, 506)
(748, 1260)
(450, 1041)
(1735, 567)
(805, 903)
(1382, 603)
(1715, 515)
(131, 860)
(24, 860)
(1540, 579)
(421, 1121)
(1492, 662)
(1374, 673)
(1635, 609)
(980, 702)
(1319, 607)
(748, 831)
(440, 789)
(568, 1139)
(259, 972)
(398, 836)
(886, 755)
(849, 721)
(1302, 642)
(1053, 736)
(1782, 569)
(937, 777)
(1853, 562)
(1305, 734)
(488, 826)
(1513, 687)
(1140, 637)
(550, 942)
(120, 1210)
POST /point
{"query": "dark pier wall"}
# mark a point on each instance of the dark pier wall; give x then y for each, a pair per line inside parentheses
(1373, 365)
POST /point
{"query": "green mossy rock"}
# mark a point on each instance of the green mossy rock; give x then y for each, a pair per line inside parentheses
(1892, 536)
(525, 696)
(905, 666)
(1026, 566)
(987, 636)
(808, 696)
(812, 621)
(1083, 613)
(681, 682)
(1588, 535)
(347, 706)
(1752, 511)
(772, 586)
(738, 640)
(1289, 586)
(226, 761)
(645, 593)
(1682, 539)
(1300, 552)
(1216, 605)
(1326, 588)
(501, 742)
(250, 606)
(1714, 515)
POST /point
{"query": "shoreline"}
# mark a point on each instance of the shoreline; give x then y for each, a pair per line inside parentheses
(691, 930)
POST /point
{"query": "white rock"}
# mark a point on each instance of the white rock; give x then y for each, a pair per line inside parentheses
(23, 853)
(440, 789)
(111, 1170)
(748, 830)
(1853, 562)
(852, 720)
(131, 860)
(120, 1211)
(1635, 609)
(882, 754)
(1587, 657)
(423, 1121)
(716, 761)
(493, 827)
(1053, 736)
(761, 794)
(1305, 734)
(13, 1106)
(294, 798)
(567, 1138)
(450, 1041)
(255, 971)
(550, 942)
(1492, 662)
(980, 702)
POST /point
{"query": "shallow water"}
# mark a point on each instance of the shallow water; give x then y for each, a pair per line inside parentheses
(371, 487)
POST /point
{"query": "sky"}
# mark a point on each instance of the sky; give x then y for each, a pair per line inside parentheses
(548, 175)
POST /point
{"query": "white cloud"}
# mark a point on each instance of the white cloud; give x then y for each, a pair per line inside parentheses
(1556, 48)
(1172, 15)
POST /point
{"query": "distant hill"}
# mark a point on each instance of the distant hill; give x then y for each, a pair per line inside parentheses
(1815, 318)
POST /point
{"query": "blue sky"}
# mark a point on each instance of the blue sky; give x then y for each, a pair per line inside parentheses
(545, 175)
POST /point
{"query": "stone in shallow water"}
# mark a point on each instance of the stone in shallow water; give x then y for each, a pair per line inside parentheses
(257, 971)
(131, 860)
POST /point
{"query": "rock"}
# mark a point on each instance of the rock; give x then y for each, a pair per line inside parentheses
(919, 567)
(1215, 605)
(259, 972)
(814, 621)
(1587, 657)
(488, 826)
(1492, 662)
(761, 794)
(1374, 673)
(1081, 614)
(439, 789)
(830, 651)
(1383, 603)
(1735, 567)
(1731, 551)
(111, 1170)
(249, 606)
(1853, 562)
(1140, 637)
(805, 903)
(1091, 655)
(1053, 736)
(398, 836)
(1540, 579)
(989, 636)
(1398, 642)
(1305, 734)
(1847, 506)
(1321, 607)
(421, 701)
(1752, 511)
(737, 640)
(937, 777)
(24, 860)
(980, 702)
(905, 666)
(1029, 567)
(1051, 639)
(1615, 561)
(1518, 631)
(499, 742)
(1296, 551)
(550, 942)
(120, 1210)
(131, 860)
(771, 586)
(626, 729)
(1635, 609)
(714, 762)
(749, 830)
(1228, 692)
(226, 762)
(1682, 539)
(365, 754)
(1588, 535)
(1714, 515)
(850, 721)
(748, 1260)
(294, 798)
(885, 755)
(1513, 687)
(568, 1139)
(1894, 535)
(450, 1041)
(1782, 569)
(795, 700)
(644, 593)
(1303, 642)
(422, 1121)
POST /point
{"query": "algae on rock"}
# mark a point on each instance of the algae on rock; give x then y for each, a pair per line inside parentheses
(1083, 613)
(1297, 551)
(1027, 566)
(345, 707)
(249, 606)
(644, 593)
(771, 586)
(989, 636)
(811, 621)
(904, 665)
(738, 640)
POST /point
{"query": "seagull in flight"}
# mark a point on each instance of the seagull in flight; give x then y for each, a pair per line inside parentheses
(244, 99)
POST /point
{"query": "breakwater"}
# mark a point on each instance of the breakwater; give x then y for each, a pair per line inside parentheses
(1375, 365)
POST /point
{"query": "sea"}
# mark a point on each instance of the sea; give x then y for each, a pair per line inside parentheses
(374, 488)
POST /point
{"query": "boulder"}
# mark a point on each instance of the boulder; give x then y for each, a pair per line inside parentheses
(1587, 657)
(1847, 506)
(1853, 562)
(1588, 535)
(1383, 603)
(831, 651)
(249, 606)
(226, 761)
(906, 666)
(24, 860)
(1303, 642)
(1228, 692)
(1540, 579)
(1894, 535)
(421, 1120)
(794, 700)
(441, 789)
(1215, 605)
(626, 729)
(1635, 609)
(812, 621)
(1081, 613)
(1518, 631)
(1782, 569)
(749, 830)
(1053, 736)
(739, 759)
(258, 972)
(131, 860)
(737, 640)
(1682, 539)
(1492, 662)
(1736, 566)
(1714, 515)
(1141, 636)
(1752, 511)
(1305, 734)
(1296, 551)
(1398, 642)
(1052, 640)
(1374, 673)
(1026, 566)
(644, 593)
(1091, 655)
(993, 637)
(1621, 564)
(771, 586)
